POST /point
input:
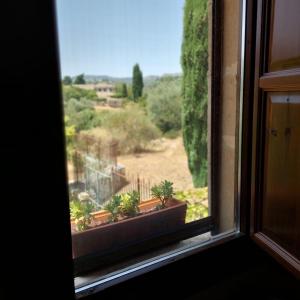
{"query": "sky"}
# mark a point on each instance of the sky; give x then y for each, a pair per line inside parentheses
(107, 37)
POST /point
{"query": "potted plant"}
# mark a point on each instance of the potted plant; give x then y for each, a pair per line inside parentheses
(125, 221)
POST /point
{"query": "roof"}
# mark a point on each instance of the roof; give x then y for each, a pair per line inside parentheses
(91, 86)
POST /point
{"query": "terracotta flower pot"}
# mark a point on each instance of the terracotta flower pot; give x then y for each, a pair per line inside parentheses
(112, 236)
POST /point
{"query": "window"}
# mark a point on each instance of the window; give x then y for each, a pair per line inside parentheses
(151, 148)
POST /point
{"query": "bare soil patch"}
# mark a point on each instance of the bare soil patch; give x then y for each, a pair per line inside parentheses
(166, 160)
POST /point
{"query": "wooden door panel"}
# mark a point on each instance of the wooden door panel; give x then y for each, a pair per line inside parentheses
(285, 37)
(282, 171)
(276, 132)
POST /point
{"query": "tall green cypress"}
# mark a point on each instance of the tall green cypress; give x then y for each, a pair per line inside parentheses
(137, 82)
(194, 61)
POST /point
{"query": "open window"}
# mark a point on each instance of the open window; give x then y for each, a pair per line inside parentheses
(151, 93)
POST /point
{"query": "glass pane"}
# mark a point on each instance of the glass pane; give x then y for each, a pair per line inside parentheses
(136, 89)
(285, 19)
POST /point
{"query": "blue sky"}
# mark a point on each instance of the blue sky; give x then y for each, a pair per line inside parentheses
(107, 37)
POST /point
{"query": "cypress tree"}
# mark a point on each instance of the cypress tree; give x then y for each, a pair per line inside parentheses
(137, 82)
(194, 61)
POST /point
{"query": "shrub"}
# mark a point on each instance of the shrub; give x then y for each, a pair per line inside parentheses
(80, 112)
(164, 103)
(164, 192)
(67, 80)
(83, 120)
(194, 198)
(99, 118)
(172, 134)
(71, 92)
(70, 135)
(100, 100)
(130, 127)
(74, 106)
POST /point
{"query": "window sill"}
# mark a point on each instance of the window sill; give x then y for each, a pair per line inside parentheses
(96, 281)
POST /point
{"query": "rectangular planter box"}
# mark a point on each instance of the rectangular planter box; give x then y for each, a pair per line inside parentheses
(112, 236)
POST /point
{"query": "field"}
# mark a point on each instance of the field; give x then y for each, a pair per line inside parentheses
(166, 160)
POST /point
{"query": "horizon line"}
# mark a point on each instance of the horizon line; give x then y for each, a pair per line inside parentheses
(121, 77)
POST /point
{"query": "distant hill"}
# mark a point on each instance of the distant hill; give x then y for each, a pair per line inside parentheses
(97, 78)
(148, 80)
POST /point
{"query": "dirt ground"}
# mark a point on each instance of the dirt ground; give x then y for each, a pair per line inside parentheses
(167, 160)
(101, 108)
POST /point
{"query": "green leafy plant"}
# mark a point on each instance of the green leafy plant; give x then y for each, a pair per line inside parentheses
(164, 191)
(195, 199)
(113, 206)
(164, 103)
(129, 204)
(81, 213)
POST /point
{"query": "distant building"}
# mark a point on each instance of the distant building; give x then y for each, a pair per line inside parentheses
(103, 89)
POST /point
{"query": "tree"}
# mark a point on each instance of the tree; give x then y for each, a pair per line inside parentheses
(67, 80)
(137, 82)
(124, 90)
(194, 61)
(79, 79)
(121, 90)
(164, 104)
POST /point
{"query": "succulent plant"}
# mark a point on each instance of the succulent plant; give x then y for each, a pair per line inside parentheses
(163, 191)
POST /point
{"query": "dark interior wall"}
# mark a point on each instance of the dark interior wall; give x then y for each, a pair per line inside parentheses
(35, 239)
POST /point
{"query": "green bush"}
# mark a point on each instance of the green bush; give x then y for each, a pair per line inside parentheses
(194, 198)
(77, 93)
(130, 127)
(100, 100)
(164, 103)
(116, 96)
(83, 120)
(70, 132)
(172, 134)
(195, 212)
(67, 80)
(74, 106)
(79, 107)
(99, 118)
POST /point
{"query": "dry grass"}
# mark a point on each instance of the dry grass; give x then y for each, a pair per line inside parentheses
(109, 108)
(166, 160)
